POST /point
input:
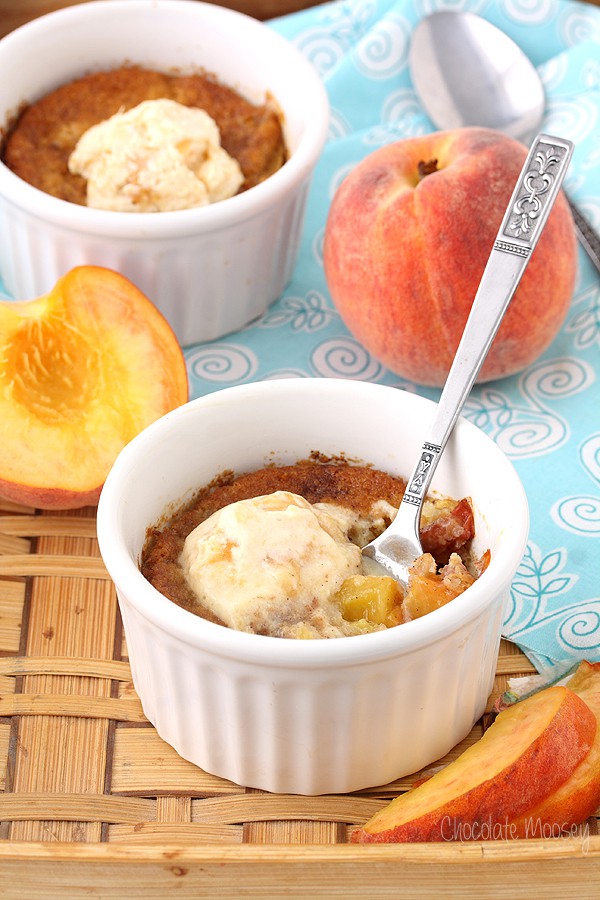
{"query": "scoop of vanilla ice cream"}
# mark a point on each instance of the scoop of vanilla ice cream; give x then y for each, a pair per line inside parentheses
(156, 157)
(269, 562)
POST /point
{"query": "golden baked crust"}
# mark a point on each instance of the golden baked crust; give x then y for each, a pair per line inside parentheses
(39, 144)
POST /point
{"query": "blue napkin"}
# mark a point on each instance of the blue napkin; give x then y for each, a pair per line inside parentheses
(547, 419)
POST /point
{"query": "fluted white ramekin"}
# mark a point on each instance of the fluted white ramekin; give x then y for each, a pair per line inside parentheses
(317, 716)
(209, 270)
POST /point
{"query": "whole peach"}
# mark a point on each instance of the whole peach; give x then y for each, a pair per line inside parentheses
(407, 239)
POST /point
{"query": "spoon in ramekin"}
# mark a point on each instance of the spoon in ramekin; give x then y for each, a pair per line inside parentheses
(538, 185)
(466, 71)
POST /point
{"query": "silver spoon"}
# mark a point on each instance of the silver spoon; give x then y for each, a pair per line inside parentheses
(533, 197)
(466, 71)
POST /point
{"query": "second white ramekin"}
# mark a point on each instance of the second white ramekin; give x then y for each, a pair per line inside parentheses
(209, 270)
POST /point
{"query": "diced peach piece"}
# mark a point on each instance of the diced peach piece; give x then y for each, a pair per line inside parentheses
(429, 589)
(530, 751)
(449, 527)
(378, 599)
(83, 369)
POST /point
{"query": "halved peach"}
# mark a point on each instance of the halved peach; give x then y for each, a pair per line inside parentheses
(531, 750)
(83, 369)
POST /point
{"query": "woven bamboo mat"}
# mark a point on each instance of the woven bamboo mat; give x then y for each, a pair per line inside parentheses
(87, 786)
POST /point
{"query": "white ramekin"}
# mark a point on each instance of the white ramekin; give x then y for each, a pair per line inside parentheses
(209, 270)
(319, 716)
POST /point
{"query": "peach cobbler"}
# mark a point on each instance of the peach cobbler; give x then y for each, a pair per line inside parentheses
(136, 140)
(278, 552)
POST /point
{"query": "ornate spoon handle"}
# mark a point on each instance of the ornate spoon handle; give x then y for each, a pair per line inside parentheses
(522, 225)
(536, 190)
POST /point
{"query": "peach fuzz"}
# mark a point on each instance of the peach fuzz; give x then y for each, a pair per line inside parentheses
(407, 238)
(83, 369)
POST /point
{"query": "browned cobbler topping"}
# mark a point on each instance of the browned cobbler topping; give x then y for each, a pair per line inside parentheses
(39, 144)
(352, 486)
(353, 504)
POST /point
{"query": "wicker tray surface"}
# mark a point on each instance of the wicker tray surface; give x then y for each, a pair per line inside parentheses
(92, 800)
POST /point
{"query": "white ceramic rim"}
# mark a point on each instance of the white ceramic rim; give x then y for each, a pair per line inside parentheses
(175, 223)
(269, 651)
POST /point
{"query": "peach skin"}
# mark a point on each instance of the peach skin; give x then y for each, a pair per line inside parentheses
(579, 796)
(531, 749)
(407, 238)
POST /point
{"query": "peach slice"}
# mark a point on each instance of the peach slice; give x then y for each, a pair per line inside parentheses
(531, 750)
(579, 796)
(83, 369)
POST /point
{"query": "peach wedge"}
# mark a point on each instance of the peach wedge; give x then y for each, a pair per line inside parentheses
(579, 796)
(530, 751)
(83, 369)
